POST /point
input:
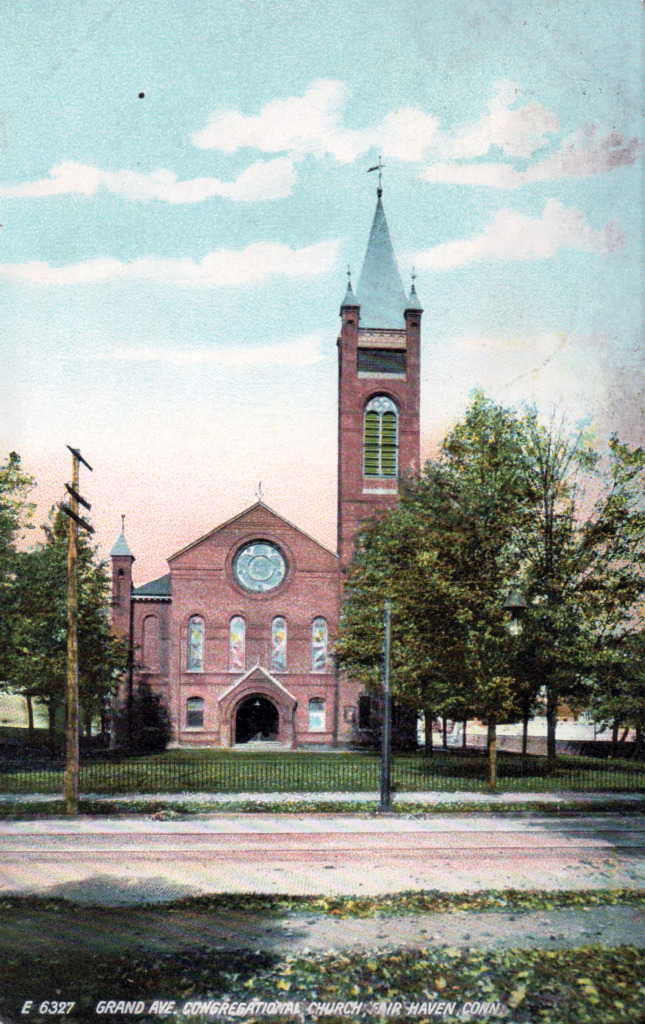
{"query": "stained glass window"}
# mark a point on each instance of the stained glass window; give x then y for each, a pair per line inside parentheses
(316, 715)
(380, 437)
(195, 713)
(195, 656)
(319, 645)
(279, 645)
(236, 643)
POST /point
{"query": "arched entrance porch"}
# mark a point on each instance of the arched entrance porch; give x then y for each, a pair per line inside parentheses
(257, 707)
(256, 718)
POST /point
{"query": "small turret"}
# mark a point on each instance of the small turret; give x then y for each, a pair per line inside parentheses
(122, 559)
(413, 300)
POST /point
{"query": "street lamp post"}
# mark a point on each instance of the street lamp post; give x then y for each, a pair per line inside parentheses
(385, 804)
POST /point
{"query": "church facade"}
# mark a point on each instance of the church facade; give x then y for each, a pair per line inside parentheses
(237, 638)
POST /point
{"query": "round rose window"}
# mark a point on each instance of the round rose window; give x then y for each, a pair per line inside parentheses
(259, 567)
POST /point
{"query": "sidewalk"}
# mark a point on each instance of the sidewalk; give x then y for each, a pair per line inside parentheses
(354, 800)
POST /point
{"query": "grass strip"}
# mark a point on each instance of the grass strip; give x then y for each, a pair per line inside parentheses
(175, 809)
(391, 905)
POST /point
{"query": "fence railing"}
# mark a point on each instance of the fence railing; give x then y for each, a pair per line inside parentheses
(304, 772)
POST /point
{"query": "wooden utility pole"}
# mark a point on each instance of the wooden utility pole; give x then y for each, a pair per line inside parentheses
(70, 788)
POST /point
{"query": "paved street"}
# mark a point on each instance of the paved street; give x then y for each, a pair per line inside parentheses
(134, 860)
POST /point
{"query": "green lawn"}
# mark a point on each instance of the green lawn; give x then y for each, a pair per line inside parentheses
(178, 771)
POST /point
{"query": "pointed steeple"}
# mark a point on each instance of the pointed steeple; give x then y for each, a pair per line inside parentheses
(350, 301)
(121, 548)
(413, 301)
(380, 291)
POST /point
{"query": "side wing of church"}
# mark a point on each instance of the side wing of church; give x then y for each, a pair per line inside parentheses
(237, 639)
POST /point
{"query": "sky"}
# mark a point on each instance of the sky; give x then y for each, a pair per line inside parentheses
(182, 188)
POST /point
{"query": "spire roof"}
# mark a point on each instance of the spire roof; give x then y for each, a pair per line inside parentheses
(380, 290)
(350, 299)
(121, 548)
(413, 301)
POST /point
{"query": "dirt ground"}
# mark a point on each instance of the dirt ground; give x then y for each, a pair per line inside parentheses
(117, 930)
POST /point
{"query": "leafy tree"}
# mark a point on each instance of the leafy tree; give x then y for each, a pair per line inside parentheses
(445, 556)
(508, 500)
(38, 659)
(581, 545)
(15, 517)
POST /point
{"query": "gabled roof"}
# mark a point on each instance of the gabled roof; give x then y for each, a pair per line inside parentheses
(380, 291)
(156, 588)
(267, 675)
(241, 515)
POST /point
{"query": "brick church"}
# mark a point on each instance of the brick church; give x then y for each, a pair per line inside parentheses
(237, 638)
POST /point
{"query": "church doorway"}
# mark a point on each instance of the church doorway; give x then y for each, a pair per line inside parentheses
(256, 719)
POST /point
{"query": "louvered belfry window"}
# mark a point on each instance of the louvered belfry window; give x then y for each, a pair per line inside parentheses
(380, 437)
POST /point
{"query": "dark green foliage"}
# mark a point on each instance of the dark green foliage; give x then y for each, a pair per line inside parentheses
(147, 723)
(36, 660)
(15, 516)
(508, 501)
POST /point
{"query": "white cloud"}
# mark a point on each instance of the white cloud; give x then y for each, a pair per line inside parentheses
(302, 351)
(223, 267)
(517, 132)
(301, 125)
(584, 153)
(262, 180)
(313, 124)
(512, 236)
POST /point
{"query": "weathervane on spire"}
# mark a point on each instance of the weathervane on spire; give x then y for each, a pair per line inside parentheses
(414, 276)
(378, 167)
(123, 523)
(349, 276)
(258, 493)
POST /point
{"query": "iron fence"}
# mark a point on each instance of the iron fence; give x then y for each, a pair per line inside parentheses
(312, 772)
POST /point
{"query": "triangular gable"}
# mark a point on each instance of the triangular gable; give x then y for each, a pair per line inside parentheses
(267, 675)
(241, 515)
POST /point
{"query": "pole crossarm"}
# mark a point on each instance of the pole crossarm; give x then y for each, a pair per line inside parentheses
(77, 455)
(79, 497)
(77, 519)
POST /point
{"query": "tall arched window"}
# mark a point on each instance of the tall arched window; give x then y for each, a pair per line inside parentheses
(195, 644)
(194, 713)
(319, 645)
(236, 644)
(150, 643)
(380, 437)
(279, 645)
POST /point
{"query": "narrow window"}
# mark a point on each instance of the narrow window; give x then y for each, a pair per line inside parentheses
(316, 715)
(150, 643)
(236, 643)
(380, 437)
(194, 713)
(364, 712)
(195, 645)
(319, 645)
(279, 645)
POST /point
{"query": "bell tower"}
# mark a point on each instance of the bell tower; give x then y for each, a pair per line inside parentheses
(378, 387)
